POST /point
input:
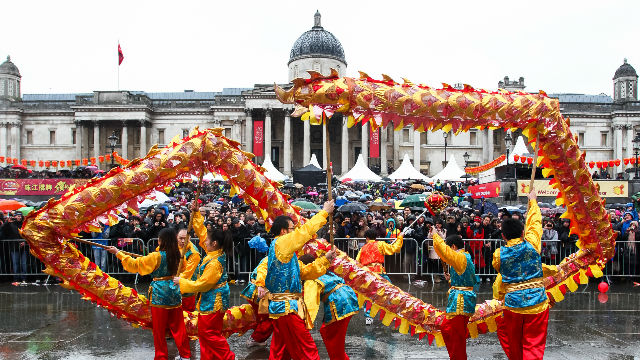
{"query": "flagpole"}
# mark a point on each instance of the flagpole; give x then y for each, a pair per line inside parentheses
(118, 64)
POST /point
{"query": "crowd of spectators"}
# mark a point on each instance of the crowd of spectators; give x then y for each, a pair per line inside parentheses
(482, 228)
(20, 172)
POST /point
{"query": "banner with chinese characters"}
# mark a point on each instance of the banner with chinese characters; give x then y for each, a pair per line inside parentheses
(37, 186)
(488, 190)
(607, 188)
(374, 144)
(258, 138)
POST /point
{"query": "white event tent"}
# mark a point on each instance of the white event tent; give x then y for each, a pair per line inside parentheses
(271, 172)
(519, 149)
(360, 172)
(314, 161)
(451, 172)
(406, 171)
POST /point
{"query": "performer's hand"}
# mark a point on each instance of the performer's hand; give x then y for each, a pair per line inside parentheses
(328, 206)
(112, 249)
(331, 255)
(176, 280)
(533, 195)
(261, 291)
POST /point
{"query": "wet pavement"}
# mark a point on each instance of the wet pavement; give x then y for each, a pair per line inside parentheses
(49, 322)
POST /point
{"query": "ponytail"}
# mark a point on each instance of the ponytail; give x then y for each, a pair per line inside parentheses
(169, 244)
(223, 238)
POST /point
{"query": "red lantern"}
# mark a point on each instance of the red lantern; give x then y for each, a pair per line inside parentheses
(626, 161)
(77, 162)
(23, 162)
(1, 159)
(47, 163)
(107, 157)
(592, 164)
(101, 158)
(41, 163)
(32, 163)
(69, 163)
(516, 158)
(93, 161)
(523, 159)
(617, 162)
(61, 163)
(15, 161)
(611, 163)
(54, 163)
(530, 160)
(85, 161)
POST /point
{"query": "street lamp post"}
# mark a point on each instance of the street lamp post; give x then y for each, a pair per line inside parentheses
(636, 152)
(507, 141)
(445, 135)
(113, 140)
(466, 157)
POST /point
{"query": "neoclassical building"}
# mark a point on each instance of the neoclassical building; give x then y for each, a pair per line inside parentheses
(77, 126)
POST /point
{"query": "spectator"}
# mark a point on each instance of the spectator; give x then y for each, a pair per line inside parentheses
(549, 243)
(17, 249)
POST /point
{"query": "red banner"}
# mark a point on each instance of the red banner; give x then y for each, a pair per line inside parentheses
(488, 190)
(374, 144)
(37, 186)
(258, 138)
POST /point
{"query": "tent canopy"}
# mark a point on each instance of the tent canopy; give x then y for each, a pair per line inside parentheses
(519, 149)
(314, 161)
(309, 175)
(360, 172)
(272, 173)
(406, 171)
(451, 172)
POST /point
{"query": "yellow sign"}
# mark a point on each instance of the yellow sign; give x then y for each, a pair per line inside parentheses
(607, 188)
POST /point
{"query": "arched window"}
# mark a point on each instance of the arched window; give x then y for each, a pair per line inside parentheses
(2, 85)
(11, 86)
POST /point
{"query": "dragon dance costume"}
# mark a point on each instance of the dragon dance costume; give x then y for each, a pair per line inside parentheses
(211, 283)
(371, 256)
(340, 304)
(284, 303)
(526, 311)
(166, 302)
(264, 328)
(462, 298)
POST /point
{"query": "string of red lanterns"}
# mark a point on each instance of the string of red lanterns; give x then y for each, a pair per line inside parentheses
(64, 163)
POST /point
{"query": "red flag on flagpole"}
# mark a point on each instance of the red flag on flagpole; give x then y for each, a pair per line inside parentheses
(120, 55)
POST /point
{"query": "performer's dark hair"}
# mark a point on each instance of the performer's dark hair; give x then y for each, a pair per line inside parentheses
(455, 240)
(512, 228)
(306, 259)
(279, 223)
(223, 238)
(169, 243)
(370, 234)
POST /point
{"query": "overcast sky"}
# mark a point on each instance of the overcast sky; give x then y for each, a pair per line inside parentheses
(558, 46)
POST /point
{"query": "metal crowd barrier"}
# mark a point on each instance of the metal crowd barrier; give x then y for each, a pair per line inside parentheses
(152, 244)
(403, 263)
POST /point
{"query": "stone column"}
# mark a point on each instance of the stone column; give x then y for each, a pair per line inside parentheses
(248, 127)
(383, 151)
(78, 139)
(629, 152)
(396, 149)
(365, 143)
(143, 139)
(490, 145)
(416, 150)
(287, 142)
(267, 133)
(617, 153)
(306, 143)
(486, 151)
(3, 140)
(96, 140)
(15, 149)
(344, 146)
(124, 152)
(324, 146)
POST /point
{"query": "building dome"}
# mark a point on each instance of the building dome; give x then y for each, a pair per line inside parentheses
(317, 43)
(9, 68)
(625, 70)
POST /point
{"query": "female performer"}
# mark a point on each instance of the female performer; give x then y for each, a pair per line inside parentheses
(211, 283)
(166, 302)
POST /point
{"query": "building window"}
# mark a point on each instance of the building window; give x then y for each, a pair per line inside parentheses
(424, 137)
(11, 85)
(29, 137)
(622, 91)
(316, 66)
(630, 89)
(52, 137)
(73, 136)
(581, 139)
(406, 135)
(603, 138)
(185, 133)
(161, 136)
(296, 72)
(473, 138)
(2, 85)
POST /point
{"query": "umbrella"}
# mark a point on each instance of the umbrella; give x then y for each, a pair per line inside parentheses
(418, 186)
(10, 205)
(489, 207)
(289, 186)
(351, 195)
(365, 197)
(25, 210)
(19, 167)
(379, 205)
(306, 205)
(347, 180)
(341, 200)
(92, 168)
(183, 190)
(298, 186)
(312, 193)
(415, 200)
(353, 207)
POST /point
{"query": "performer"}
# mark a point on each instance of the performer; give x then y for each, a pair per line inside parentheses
(264, 329)
(371, 256)
(190, 259)
(340, 304)
(526, 312)
(461, 302)
(284, 302)
(166, 307)
(211, 283)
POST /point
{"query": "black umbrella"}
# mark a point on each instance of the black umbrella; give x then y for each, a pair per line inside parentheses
(183, 190)
(353, 207)
(487, 207)
(289, 186)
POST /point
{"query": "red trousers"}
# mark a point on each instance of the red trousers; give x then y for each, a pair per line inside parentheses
(291, 340)
(189, 303)
(526, 334)
(454, 332)
(333, 336)
(264, 329)
(212, 344)
(502, 334)
(172, 319)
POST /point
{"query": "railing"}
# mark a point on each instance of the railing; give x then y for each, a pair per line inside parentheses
(404, 262)
(152, 245)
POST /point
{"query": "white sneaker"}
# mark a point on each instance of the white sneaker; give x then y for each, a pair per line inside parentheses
(368, 321)
(178, 357)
